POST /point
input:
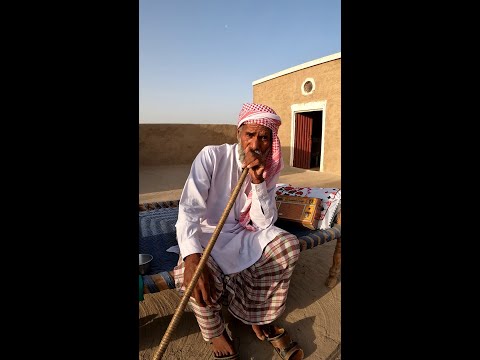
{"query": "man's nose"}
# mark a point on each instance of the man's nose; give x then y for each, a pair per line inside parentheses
(255, 143)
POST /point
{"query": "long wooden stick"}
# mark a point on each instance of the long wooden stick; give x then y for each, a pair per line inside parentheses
(203, 260)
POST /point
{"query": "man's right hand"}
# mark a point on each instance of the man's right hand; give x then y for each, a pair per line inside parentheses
(205, 287)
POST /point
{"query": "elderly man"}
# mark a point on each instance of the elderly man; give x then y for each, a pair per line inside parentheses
(252, 261)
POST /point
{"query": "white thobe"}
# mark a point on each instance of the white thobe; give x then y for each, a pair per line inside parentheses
(213, 176)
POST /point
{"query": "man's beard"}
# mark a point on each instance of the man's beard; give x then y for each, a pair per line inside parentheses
(241, 152)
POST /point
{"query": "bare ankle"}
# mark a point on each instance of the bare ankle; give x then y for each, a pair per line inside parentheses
(222, 345)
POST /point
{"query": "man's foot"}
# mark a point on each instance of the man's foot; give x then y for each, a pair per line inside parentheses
(263, 330)
(280, 340)
(222, 345)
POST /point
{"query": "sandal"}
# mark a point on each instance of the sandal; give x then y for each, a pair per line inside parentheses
(234, 356)
(228, 357)
(284, 346)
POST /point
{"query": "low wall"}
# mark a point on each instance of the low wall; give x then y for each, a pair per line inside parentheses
(169, 144)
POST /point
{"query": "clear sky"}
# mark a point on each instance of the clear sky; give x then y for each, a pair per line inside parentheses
(198, 59)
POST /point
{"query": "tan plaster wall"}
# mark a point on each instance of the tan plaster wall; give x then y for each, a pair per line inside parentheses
(282, 92)
(169, 144)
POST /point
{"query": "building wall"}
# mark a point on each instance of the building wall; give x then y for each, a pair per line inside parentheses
(169, 144)
(282, 92)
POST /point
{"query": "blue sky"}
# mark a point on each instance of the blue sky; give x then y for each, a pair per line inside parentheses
(198, 59)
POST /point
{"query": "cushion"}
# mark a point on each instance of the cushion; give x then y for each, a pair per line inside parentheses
(331, 198)
(157, 233)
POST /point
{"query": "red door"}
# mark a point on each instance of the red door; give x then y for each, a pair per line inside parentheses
(303, 141)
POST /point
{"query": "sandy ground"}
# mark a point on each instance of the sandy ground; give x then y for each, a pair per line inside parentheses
(160, 183)
(312, 316)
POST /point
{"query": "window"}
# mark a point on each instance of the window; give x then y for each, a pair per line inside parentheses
(308, 86)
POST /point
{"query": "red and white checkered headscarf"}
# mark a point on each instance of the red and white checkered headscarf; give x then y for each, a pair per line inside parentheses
(266, 116)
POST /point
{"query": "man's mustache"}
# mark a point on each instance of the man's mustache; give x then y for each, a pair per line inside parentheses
(241, 152)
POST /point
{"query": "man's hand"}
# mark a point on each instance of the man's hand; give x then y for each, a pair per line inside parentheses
(205, 288)
(255, 162)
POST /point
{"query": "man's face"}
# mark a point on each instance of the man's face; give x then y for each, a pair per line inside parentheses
(255, 137)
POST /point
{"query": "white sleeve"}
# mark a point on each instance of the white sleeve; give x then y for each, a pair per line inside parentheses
(263, 211)
(192, 205)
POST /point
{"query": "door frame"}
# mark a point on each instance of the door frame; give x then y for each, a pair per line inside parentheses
(308, 107)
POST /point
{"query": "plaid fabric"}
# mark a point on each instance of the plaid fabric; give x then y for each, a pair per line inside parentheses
(256, 295)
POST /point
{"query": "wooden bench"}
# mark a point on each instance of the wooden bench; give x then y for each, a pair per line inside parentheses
(309, 239)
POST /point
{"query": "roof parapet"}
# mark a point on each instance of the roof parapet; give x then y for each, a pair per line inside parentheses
(299, 67)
